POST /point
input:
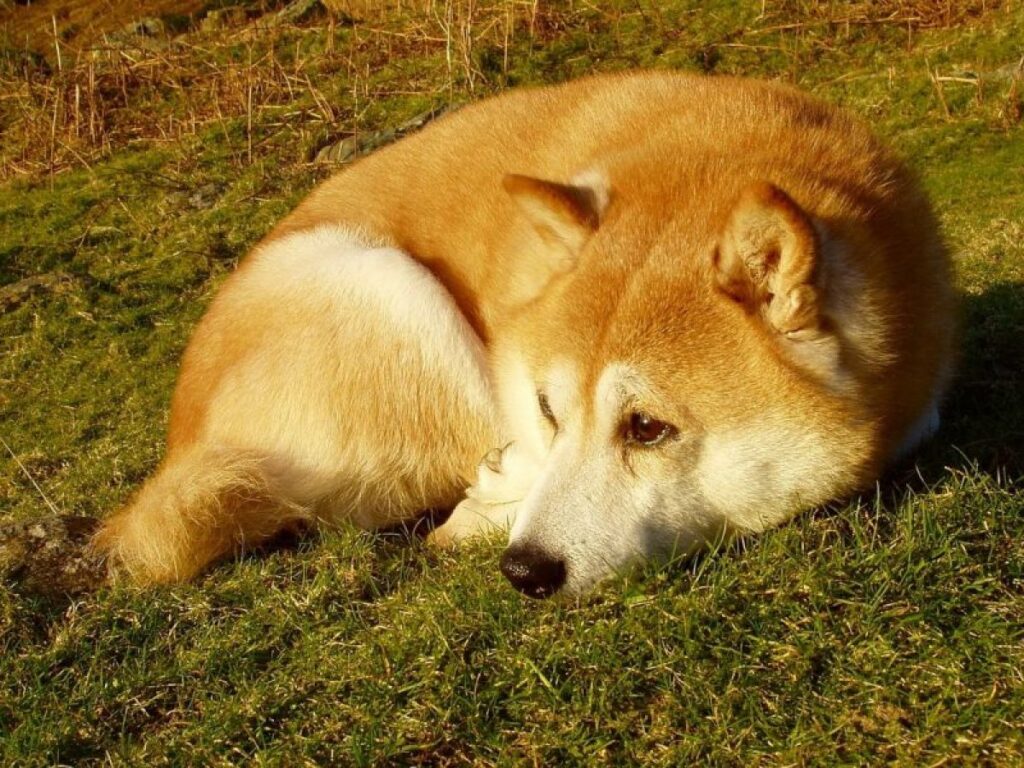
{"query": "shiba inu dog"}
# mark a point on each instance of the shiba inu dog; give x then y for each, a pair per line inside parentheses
(630, 314)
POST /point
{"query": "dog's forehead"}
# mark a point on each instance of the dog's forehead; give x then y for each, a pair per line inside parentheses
(615, 384)
(560, 379)
(637, 316)
(653, 338)
(616, 295)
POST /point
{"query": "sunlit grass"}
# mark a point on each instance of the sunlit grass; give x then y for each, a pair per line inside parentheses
(888, 628)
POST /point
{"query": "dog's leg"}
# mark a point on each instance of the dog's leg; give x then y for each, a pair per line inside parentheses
(503, 479)
(331, 380)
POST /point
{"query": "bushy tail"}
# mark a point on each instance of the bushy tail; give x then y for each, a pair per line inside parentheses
(202, 505)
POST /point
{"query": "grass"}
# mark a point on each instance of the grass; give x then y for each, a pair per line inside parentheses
(887, 629)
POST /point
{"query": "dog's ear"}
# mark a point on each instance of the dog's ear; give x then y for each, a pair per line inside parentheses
(564, 215)
(788, 270)
(768, 259)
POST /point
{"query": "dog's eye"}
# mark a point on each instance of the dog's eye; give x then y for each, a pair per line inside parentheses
(647, 431)
(545, 409)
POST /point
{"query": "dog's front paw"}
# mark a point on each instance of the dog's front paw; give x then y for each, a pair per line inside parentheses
(473, 518)
(502, 481)
(504, 476)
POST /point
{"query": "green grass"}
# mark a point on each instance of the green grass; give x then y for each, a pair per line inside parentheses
(888, 629)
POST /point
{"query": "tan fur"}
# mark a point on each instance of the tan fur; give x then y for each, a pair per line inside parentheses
(752, 253)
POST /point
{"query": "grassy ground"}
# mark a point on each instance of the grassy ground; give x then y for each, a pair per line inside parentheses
(138, 168)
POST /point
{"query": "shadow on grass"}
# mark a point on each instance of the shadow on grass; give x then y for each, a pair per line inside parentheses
(399, 553)
(983, 415)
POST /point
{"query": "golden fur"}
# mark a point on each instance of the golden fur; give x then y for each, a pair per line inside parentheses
(744, 259)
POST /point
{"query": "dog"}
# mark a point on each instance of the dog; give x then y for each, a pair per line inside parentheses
(632, 315)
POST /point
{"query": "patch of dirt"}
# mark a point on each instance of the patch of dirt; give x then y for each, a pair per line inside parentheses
(50, 557)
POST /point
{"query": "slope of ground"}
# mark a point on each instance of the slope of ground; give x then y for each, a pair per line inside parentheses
(139, 168)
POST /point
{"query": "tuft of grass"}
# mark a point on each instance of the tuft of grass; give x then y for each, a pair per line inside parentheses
(137, 171)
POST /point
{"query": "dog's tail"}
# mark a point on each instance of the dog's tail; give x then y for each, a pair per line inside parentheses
(203, 504)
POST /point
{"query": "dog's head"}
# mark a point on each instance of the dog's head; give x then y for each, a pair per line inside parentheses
(672, 375)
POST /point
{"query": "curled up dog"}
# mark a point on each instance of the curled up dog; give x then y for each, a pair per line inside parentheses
(631, 314)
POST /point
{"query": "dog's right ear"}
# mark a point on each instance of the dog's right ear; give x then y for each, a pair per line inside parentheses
(564, 215)
(768, 260)
(771, 259)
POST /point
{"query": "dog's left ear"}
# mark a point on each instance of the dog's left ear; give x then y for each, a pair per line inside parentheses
(768, 259)
(564, 215)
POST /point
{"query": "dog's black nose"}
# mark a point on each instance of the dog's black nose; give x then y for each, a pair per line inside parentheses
(533, 571)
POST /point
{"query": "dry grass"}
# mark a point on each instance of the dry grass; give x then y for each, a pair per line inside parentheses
(113, 94)
(78, 104)
(91, 92)
(32, 24)
(915, 14)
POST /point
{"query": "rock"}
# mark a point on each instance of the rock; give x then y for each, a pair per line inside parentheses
(356, 146)
(205, 196)
(340, 151)
(147, 27)
(146, 34)
(14, 294)
(297, 11)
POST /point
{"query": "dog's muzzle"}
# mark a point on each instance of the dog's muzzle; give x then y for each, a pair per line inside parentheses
(533, 571)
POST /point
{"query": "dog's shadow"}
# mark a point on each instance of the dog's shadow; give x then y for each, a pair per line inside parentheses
(983, 413)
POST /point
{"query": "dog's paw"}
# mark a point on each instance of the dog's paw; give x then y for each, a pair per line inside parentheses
(473, 518)
(504, 476)
(503, 479)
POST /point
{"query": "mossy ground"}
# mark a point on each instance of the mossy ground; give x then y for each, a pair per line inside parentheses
(886, 629)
